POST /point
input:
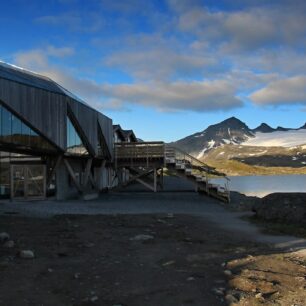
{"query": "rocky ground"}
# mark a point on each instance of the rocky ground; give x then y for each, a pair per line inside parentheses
(131, 260)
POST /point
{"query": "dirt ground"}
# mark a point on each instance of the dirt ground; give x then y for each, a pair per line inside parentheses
(181, 260)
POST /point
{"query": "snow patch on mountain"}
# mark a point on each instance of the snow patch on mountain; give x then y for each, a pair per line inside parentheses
(277, 139)
(211, 144)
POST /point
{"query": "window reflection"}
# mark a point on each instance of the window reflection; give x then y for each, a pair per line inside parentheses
(15, 132)
(74, 142)
(6, 159)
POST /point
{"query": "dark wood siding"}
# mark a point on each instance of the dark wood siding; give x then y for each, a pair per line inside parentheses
(87, 120)
(43, 110)
(46, 112)
(106, 125)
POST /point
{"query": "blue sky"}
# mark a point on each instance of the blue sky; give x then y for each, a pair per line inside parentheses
(167, 68)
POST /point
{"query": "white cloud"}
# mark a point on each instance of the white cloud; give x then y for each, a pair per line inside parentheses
(286, 91)
(161, 63)
(196, 96)
(250, 28)
(165, 96)
(39, 57)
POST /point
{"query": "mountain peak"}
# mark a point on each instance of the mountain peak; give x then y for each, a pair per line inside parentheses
(303, 127)
(264, 128)
(232, 123)
(231, 119)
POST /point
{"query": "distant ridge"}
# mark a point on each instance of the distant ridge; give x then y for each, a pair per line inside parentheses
(233, 131)
(264, 128)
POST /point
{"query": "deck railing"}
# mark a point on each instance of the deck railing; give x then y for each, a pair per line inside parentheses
(140, 152)
(172, 153)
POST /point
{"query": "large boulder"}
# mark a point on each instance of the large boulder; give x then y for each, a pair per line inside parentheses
(283, 207)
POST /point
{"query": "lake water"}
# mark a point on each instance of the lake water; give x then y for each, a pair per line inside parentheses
(260, 186)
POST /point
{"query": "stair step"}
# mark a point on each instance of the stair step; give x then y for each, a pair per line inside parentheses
(188, 171)
(200, 178)
(170, 160)
(180, 166)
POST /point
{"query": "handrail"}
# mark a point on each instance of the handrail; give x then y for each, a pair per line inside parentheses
(200, 165)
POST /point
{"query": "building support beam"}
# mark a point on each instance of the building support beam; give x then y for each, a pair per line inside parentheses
(72, 175)
(98, 175)
(138, 176)
(87, 172)
(155, 180)
(145, 184)
(53, 171)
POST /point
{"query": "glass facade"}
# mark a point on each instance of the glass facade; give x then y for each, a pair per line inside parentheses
(6, 158)
(74, 143)
(16, 133)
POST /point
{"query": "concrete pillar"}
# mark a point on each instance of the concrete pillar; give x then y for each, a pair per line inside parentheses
(64, 189)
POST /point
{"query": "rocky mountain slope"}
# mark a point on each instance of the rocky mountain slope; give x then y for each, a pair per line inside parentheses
(235, 148)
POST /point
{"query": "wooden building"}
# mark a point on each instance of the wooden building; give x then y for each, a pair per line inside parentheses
(50, 138)
(54, 144)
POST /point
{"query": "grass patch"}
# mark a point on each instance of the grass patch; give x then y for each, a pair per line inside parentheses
(278, 228)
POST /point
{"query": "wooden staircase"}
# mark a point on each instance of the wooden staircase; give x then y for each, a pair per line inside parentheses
(186, 166)
(147, 160)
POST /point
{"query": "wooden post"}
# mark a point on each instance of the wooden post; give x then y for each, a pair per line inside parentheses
(207, 182)
(162, 178)
(155, 180)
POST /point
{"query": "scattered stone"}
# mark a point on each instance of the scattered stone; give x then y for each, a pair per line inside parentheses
(168, 263)
(50, 270)
(230, 299)
(218, 291)
(9, 244)
(26, 254)
(142, 237)
(190, 279)
(228, 272)
(259, 296)
(76, 275)
(94, 298)
(4, 237)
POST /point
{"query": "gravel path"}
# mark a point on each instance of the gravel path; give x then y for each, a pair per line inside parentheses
(147, 203)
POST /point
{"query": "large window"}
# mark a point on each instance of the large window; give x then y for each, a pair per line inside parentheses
(6, 158)
(14, 132)
(74, 142)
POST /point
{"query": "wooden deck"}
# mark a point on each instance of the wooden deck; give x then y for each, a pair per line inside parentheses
(142, 154)
(146, 158)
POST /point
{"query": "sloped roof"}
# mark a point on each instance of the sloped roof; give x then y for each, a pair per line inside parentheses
(30, 78)
(129, 133)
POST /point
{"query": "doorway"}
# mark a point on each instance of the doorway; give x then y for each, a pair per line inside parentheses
(28, 181)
